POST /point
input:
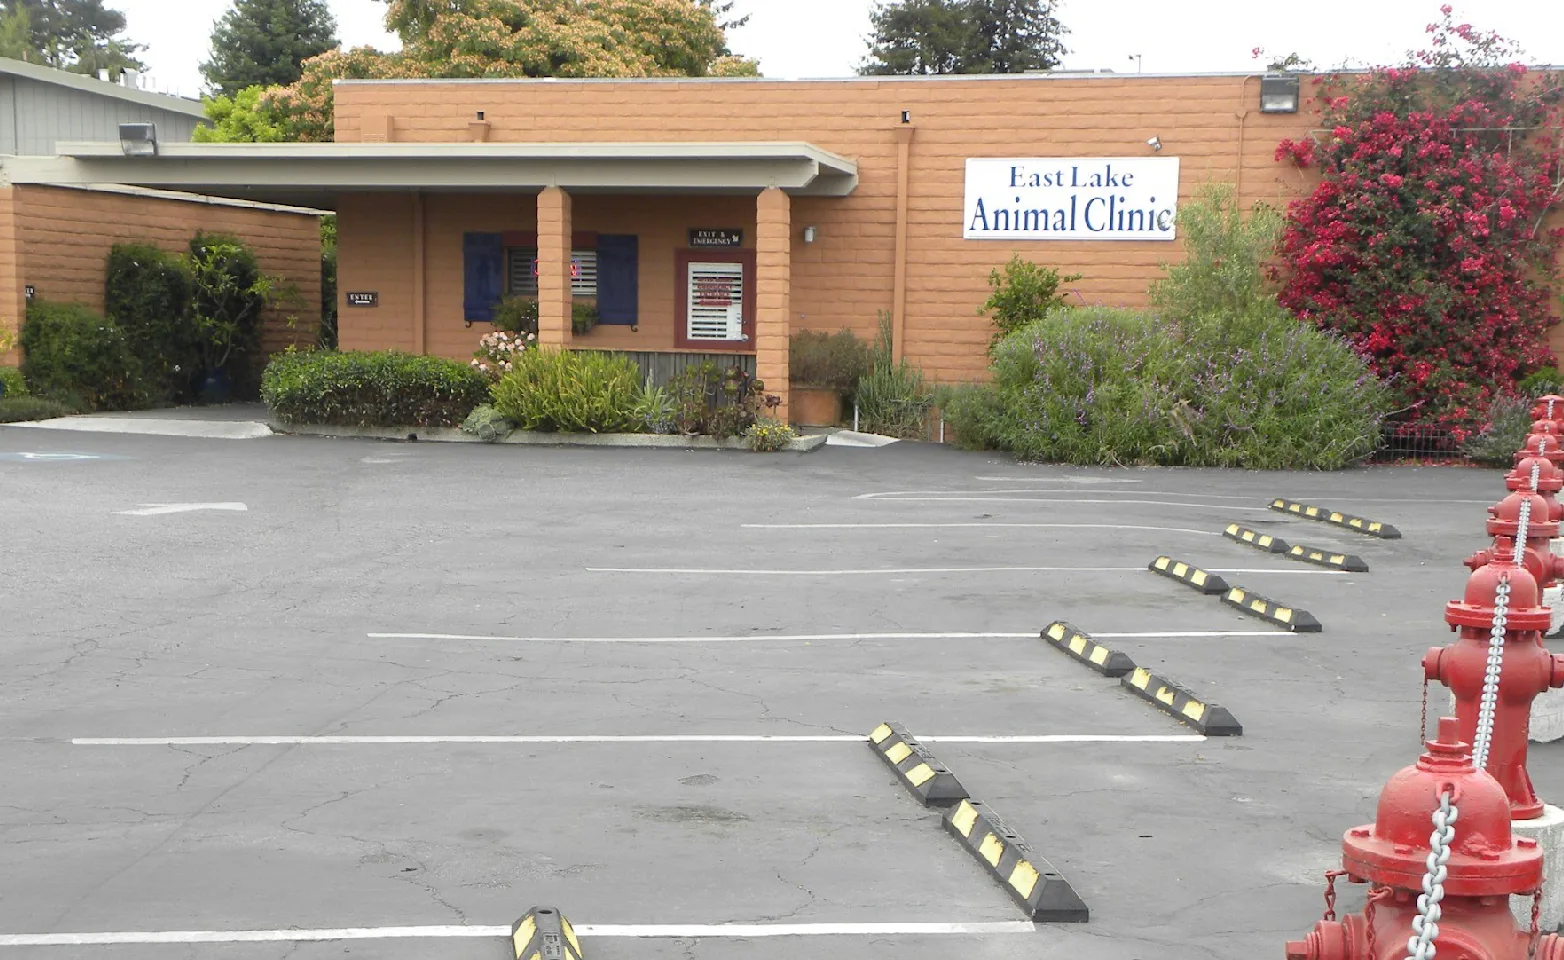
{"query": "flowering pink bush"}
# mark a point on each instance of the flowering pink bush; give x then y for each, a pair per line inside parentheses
(1423, 243)
(497, 352)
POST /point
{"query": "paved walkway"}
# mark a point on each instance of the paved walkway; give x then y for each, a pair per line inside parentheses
(229, 421)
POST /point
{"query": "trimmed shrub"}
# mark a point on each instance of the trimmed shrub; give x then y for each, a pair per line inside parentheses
(1107, 387)
(380, 389)
(831, 361)
(571, 392)
(1024, 293)
(12, 383)
(228, 298)
(893, 398)
(79, 358)
(487, 424)
(147, 292)
(1509, 424)
(1541, 382)
(769, 436)
(23, 408)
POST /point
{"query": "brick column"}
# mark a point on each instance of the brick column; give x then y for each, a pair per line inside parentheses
(773, 291)
(554, 235)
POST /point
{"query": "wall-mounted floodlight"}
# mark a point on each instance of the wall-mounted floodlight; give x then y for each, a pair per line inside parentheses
(1279, 93)
(138, 139)
(1155, 143)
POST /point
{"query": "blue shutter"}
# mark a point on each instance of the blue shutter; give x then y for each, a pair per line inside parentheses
(618, 279)
(483, 268)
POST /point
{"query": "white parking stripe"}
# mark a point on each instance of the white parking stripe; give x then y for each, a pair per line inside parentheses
(937, 526)
(810, 637)
(638, 738)
(1117, 502)
(882, 571)
(642, 930)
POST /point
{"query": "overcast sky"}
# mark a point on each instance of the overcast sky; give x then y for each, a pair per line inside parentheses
(825, 38)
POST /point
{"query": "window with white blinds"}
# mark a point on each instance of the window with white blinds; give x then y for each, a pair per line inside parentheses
(521, 271)
(716, 301)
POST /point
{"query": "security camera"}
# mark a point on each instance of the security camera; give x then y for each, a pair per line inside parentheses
(1154, 143)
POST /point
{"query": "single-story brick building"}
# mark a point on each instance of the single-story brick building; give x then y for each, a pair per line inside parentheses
(716, 217)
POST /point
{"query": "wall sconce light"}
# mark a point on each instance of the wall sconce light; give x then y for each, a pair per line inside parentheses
(1279, 93)
(809, 234)
(906, 116)
(1155, 143)
(138, 139)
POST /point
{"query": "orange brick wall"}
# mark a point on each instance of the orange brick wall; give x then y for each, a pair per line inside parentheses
(1211, 123)
(63, 237)
(12, 298)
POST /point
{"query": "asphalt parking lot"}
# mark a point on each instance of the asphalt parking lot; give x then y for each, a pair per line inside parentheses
(429, 686)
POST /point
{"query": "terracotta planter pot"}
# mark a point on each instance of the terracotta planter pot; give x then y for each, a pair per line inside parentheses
(815, 407)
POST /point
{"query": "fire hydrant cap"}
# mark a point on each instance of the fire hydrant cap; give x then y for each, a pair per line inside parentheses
(1485, 859)
(1506, 516)
(1482, 592)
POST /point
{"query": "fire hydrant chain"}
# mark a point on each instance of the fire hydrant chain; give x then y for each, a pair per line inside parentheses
(1483, 735)
(1425, 926)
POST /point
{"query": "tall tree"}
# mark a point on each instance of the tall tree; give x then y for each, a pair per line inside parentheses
(266, 42)
(500, 38)
(82, 36)
(964, 36)
(1014, 36)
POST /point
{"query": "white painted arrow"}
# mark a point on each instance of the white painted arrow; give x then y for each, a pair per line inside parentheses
(156, 509)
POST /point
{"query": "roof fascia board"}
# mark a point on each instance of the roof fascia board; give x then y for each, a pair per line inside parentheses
(392, 173)
(96, 87)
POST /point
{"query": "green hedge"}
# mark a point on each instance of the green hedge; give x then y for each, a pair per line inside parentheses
(12, 383)
(20, 409)
(147, 292)
(570, 392)
(1103, 386)
(77, 357)
(383, 389)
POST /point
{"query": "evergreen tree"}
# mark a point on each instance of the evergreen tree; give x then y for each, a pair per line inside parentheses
(964, 36)
(1014, 36)
(82, 36)
(266, 42)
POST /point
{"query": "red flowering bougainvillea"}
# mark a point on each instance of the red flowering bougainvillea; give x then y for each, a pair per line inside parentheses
(1424, 243)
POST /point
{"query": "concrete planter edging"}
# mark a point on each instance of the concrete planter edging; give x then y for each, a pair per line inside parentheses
(454, 435)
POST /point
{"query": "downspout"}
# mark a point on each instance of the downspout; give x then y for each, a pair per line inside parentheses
(420, 333)
(899, 284)
(1242, 114)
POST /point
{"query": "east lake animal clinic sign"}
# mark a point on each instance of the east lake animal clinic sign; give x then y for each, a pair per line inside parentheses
(1091, 198)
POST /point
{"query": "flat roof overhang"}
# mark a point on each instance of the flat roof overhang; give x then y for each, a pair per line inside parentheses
(313, 174)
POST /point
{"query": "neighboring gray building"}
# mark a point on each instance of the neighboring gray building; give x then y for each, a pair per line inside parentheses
(40, 106)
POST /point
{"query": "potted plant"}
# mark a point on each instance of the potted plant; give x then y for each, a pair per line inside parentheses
(824, 369)
(583, 317)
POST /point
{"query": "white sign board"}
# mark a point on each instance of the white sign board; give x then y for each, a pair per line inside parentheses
(1082, 198)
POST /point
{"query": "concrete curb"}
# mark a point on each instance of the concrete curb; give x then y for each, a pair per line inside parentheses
(1188, 574)
(1079, 645)
(1327, 558)
(923, 776)
(1373, 528)
(805, 444)
(1254, 538)
(1211, 719)
(1031, 881)
(544, 932)
(1288, 618)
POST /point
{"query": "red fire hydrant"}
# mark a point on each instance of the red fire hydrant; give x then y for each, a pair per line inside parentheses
(1541, 445)
(1541, 528)
(1527, 670)
(1550, 480)
(1486, 865)
(1549, 406)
